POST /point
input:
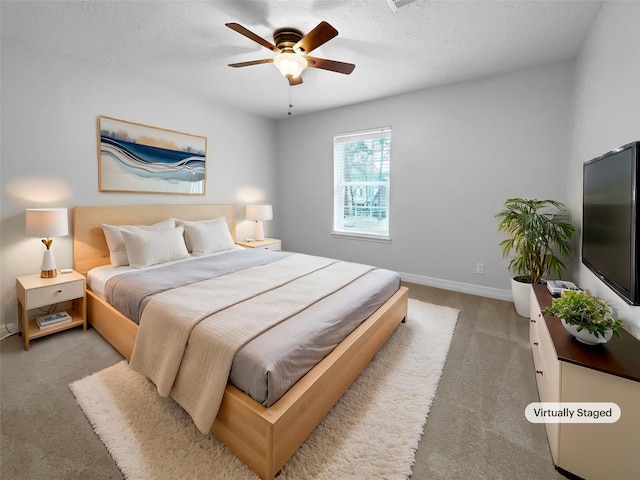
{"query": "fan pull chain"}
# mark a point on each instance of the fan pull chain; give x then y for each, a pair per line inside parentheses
(290, 101)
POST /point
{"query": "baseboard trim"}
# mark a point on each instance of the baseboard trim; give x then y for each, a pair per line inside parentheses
(479, 290)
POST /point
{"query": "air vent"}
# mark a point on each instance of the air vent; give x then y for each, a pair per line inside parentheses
(394, 5)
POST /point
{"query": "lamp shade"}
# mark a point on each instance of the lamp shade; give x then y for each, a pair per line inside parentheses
(47, 222)
(259, 212)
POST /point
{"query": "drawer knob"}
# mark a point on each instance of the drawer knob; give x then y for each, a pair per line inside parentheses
(535, 343)
(540, 372)
(59, 291)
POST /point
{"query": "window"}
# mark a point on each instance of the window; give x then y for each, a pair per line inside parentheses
(361, 165)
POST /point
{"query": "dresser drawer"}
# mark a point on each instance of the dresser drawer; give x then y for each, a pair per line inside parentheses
(550, 365)
(547, 369)
(38, 297)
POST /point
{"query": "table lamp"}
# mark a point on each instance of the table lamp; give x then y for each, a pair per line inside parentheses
(258, 213)
(47, 222)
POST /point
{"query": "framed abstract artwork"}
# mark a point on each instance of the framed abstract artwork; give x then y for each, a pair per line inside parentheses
(133, 157)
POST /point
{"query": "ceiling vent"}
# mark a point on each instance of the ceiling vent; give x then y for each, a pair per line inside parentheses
(394, 5)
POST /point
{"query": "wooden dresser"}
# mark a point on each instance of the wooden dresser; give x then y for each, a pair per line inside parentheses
(569, 371)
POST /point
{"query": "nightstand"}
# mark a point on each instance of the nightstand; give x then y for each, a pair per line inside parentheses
(34, 292)
(267, 244)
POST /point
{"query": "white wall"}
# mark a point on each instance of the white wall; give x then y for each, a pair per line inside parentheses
(607, 115)
(50, 104)
(457, 153)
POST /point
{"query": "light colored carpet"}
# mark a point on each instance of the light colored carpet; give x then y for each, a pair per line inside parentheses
(372, 432)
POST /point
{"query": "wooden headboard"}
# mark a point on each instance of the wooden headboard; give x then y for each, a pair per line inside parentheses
(90, 247)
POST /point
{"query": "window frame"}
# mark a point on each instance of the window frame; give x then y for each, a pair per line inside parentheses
(339, 184)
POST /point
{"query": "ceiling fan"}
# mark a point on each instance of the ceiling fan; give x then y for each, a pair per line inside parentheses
(293, 48)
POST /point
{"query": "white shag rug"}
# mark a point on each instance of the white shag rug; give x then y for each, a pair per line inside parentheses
(372, 432)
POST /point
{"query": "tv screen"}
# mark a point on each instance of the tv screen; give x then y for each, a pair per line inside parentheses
(610, 235)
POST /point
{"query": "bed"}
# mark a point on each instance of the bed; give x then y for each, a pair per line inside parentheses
(262, 437)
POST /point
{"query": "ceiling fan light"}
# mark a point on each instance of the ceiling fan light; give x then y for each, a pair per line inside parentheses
(290, 65)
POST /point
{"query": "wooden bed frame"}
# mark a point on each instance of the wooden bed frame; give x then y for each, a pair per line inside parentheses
(263, 438)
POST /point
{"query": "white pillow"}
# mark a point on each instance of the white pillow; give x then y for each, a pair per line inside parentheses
(150, 247)
(115, 242)
(207, 236)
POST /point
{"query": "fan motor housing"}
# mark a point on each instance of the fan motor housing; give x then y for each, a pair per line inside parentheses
(286, 38)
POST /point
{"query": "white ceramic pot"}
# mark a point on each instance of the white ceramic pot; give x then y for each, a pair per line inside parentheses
(521, 293)
(585, 337)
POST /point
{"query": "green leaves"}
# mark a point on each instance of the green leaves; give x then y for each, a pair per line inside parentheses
(539, 233)
(584, 310)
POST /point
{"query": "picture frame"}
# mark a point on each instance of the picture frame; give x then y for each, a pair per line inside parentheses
(138, 158)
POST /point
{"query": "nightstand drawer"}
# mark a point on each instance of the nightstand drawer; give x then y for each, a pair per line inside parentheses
(272, 246)
(38, 297)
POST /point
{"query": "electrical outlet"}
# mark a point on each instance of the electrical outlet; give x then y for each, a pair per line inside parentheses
(480, 268)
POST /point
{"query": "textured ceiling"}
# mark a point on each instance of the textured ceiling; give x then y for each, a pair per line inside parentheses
(185, 44)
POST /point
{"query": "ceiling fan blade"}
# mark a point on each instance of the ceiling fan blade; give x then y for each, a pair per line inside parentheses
(295, 81)
(251, 62)
(332, 65)
(256, 38)
(316, 37)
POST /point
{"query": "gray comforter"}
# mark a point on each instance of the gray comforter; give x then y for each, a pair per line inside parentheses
(266, 367)
(130, 292)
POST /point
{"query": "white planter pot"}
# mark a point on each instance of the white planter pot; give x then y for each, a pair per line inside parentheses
(585, 337)
(521, 293)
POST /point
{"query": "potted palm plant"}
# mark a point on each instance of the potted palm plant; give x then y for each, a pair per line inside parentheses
(539, 234)
(587, 317)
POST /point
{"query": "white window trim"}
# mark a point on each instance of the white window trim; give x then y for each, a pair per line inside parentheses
(381, 238)
(362, 236)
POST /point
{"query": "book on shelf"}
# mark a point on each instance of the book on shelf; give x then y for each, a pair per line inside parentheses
(556, 287)
(53, 319)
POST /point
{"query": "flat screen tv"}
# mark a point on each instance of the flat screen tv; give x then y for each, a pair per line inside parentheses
(610, 223)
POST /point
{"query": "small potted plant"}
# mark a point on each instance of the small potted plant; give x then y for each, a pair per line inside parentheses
(540, 234)
(588, 318)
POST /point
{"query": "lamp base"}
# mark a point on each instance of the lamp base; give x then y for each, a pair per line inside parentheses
(259, 235)
(48, 273)
(48, 268)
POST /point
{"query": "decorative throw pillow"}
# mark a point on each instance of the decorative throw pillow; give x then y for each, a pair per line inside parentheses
(151, 247)
(207, 236)
(115, 241)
